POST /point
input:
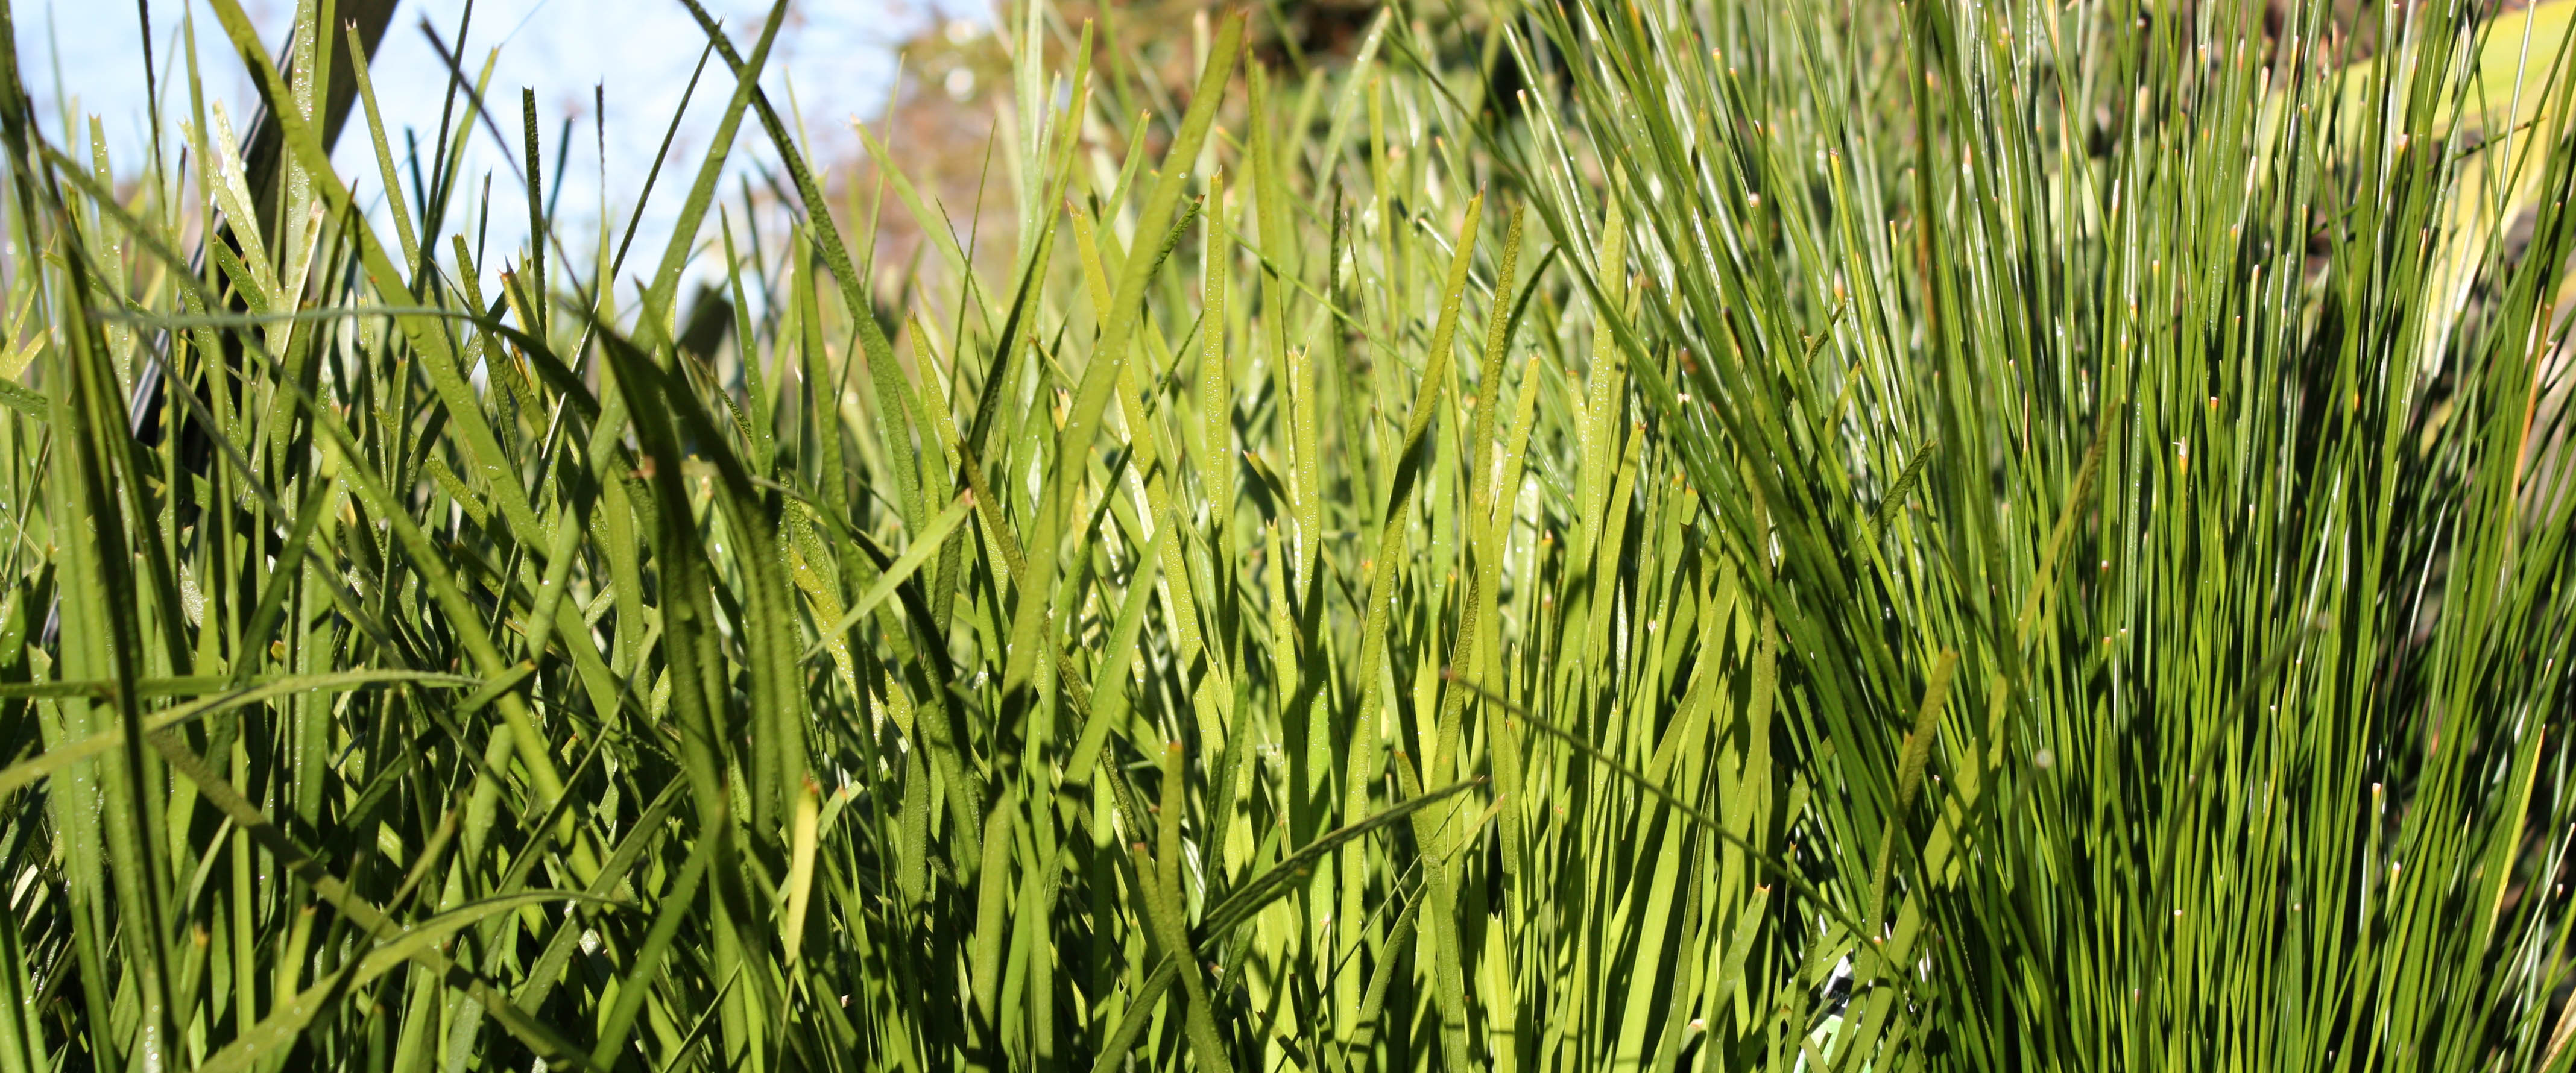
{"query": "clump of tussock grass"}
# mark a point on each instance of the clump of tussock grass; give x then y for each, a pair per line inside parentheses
(1928, 535)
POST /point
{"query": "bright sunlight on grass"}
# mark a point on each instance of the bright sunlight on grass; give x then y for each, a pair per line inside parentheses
(1676, 534)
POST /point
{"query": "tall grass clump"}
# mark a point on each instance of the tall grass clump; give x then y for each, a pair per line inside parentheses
(1676, 534)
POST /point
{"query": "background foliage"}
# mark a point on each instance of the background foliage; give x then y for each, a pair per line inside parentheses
(1800, 535)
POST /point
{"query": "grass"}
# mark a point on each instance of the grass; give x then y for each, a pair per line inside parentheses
(1663, 536)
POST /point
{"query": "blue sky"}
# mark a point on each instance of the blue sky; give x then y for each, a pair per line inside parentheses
(838, 56)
